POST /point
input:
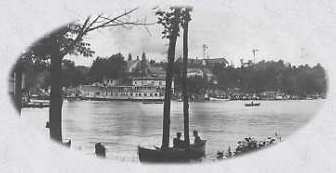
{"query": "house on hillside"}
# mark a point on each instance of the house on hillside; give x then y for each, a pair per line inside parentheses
(210, 63)
(132, 65)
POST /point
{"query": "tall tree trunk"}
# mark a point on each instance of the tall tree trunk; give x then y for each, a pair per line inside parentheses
(18, 88)
(55, 109)
(168, 89)
(184, 85)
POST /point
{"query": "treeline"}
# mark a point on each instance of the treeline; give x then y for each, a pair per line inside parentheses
(37, 74)
(299, 80)
(113, 67)
(253, 78)
(273, 76)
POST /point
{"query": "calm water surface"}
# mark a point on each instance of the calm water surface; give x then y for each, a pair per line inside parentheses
(122, 126)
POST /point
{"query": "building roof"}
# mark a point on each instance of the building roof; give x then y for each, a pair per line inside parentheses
(216, 61)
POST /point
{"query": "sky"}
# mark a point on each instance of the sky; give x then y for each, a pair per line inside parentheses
(229, 29)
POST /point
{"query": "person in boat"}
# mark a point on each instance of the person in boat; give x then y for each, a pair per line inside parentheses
(178, 143)
(197, 140)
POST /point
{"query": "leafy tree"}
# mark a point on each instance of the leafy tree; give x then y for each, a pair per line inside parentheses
(64, 41)
(129, 57)
(72, 75)
(170, 20)
(143, 56)
(113, 67)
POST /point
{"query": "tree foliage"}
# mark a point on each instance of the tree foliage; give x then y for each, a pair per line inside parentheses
(72, 75)
(273, 76)
(113, 67)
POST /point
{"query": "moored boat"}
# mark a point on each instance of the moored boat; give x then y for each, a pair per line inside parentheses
(195, 152)
(252, 104)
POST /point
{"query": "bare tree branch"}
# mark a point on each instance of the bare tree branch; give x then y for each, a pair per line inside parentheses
(88, 26)
(131, 23)
(112, 20)
(94, 21)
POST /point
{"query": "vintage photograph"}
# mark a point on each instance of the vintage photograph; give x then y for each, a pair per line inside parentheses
(167, 84)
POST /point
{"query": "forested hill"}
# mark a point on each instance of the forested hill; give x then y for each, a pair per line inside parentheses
(274, 76)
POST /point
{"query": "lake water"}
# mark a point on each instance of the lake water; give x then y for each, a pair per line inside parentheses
(122, 126)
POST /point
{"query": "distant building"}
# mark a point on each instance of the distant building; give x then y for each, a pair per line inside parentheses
(249, 63)
(212, 62)
(210, 76)
(132, 65)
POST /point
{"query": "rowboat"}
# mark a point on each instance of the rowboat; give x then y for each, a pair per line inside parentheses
(252, 104)
(196, 152)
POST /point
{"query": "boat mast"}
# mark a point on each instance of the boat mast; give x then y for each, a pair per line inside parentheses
(169, 76)
(186, 19)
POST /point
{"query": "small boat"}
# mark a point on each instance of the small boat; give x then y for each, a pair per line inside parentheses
(196, 152)
(252, 104)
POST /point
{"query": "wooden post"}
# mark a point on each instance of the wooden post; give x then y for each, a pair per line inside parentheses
(18, 87)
